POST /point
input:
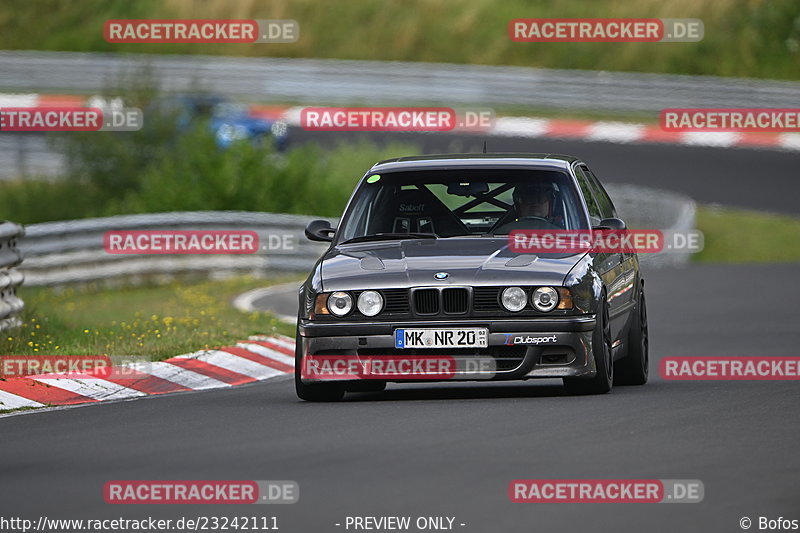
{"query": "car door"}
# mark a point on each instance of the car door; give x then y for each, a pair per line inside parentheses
(628, 258)
(608, 265)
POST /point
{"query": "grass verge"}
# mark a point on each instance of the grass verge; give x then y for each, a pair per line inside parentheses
(158, 321)
(744, 236)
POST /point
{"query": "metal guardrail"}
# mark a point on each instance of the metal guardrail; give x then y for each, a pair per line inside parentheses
(320, 81)
(10, 278)
(59, 253)
(646, 208)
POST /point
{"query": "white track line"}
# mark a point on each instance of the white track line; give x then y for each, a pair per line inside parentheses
(181, 376)
(12, 401)
(244, 302)
(266, 352)
(95, 388)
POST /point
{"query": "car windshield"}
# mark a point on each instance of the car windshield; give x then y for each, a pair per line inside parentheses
(470, 202)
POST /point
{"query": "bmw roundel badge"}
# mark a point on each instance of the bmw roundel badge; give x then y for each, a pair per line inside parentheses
(441, 275)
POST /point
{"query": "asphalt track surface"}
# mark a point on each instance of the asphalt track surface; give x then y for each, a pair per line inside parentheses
(452, 449)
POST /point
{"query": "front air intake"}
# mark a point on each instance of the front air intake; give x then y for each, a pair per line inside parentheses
(426, 301)
(455, 301)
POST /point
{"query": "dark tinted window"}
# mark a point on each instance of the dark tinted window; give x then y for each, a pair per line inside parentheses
(463, 202)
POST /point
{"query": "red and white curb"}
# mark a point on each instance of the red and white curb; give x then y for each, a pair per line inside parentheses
(530, 127)
(259, 358)
(623, 132)
(616, 132)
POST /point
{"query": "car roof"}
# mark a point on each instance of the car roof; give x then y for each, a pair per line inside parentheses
(496, 160)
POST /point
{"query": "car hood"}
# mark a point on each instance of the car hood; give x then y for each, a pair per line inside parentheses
(413, 263)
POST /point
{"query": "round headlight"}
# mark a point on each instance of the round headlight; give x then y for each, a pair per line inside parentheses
(513, 299)
(544, 298)
(340, 303)
(370, 303)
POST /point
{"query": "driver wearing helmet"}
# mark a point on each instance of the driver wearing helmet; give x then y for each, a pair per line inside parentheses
(534, 208)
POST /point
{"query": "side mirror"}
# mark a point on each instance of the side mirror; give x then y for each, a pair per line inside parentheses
(612, 224)
(320, 230)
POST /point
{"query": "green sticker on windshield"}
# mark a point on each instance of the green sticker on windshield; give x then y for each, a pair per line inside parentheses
(373, 178)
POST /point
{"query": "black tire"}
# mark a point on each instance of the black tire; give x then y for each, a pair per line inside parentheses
(603, 381)
(633, 369)
(313, 392)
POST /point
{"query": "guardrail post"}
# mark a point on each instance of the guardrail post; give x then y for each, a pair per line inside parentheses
(10, 256)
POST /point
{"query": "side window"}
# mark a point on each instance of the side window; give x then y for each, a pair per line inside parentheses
(586, 191)
(605, 203)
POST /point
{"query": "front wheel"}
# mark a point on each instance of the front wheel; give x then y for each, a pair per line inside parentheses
(603, 380)
(313, 392)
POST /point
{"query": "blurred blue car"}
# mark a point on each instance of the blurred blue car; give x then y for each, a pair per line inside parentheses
(231, 122)
(228, 121)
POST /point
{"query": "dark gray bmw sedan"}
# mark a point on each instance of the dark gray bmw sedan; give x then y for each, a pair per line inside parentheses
(421, 281)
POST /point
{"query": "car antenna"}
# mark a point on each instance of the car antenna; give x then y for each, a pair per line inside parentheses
(484, 147)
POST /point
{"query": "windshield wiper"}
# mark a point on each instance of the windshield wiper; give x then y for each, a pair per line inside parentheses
(390, 236)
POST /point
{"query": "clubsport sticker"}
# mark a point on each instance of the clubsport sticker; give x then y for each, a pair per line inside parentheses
(514, 339)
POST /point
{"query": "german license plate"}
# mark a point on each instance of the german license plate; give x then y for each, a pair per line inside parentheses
(441, 338)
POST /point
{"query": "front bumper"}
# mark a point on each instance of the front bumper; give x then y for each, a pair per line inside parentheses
(551, 347)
